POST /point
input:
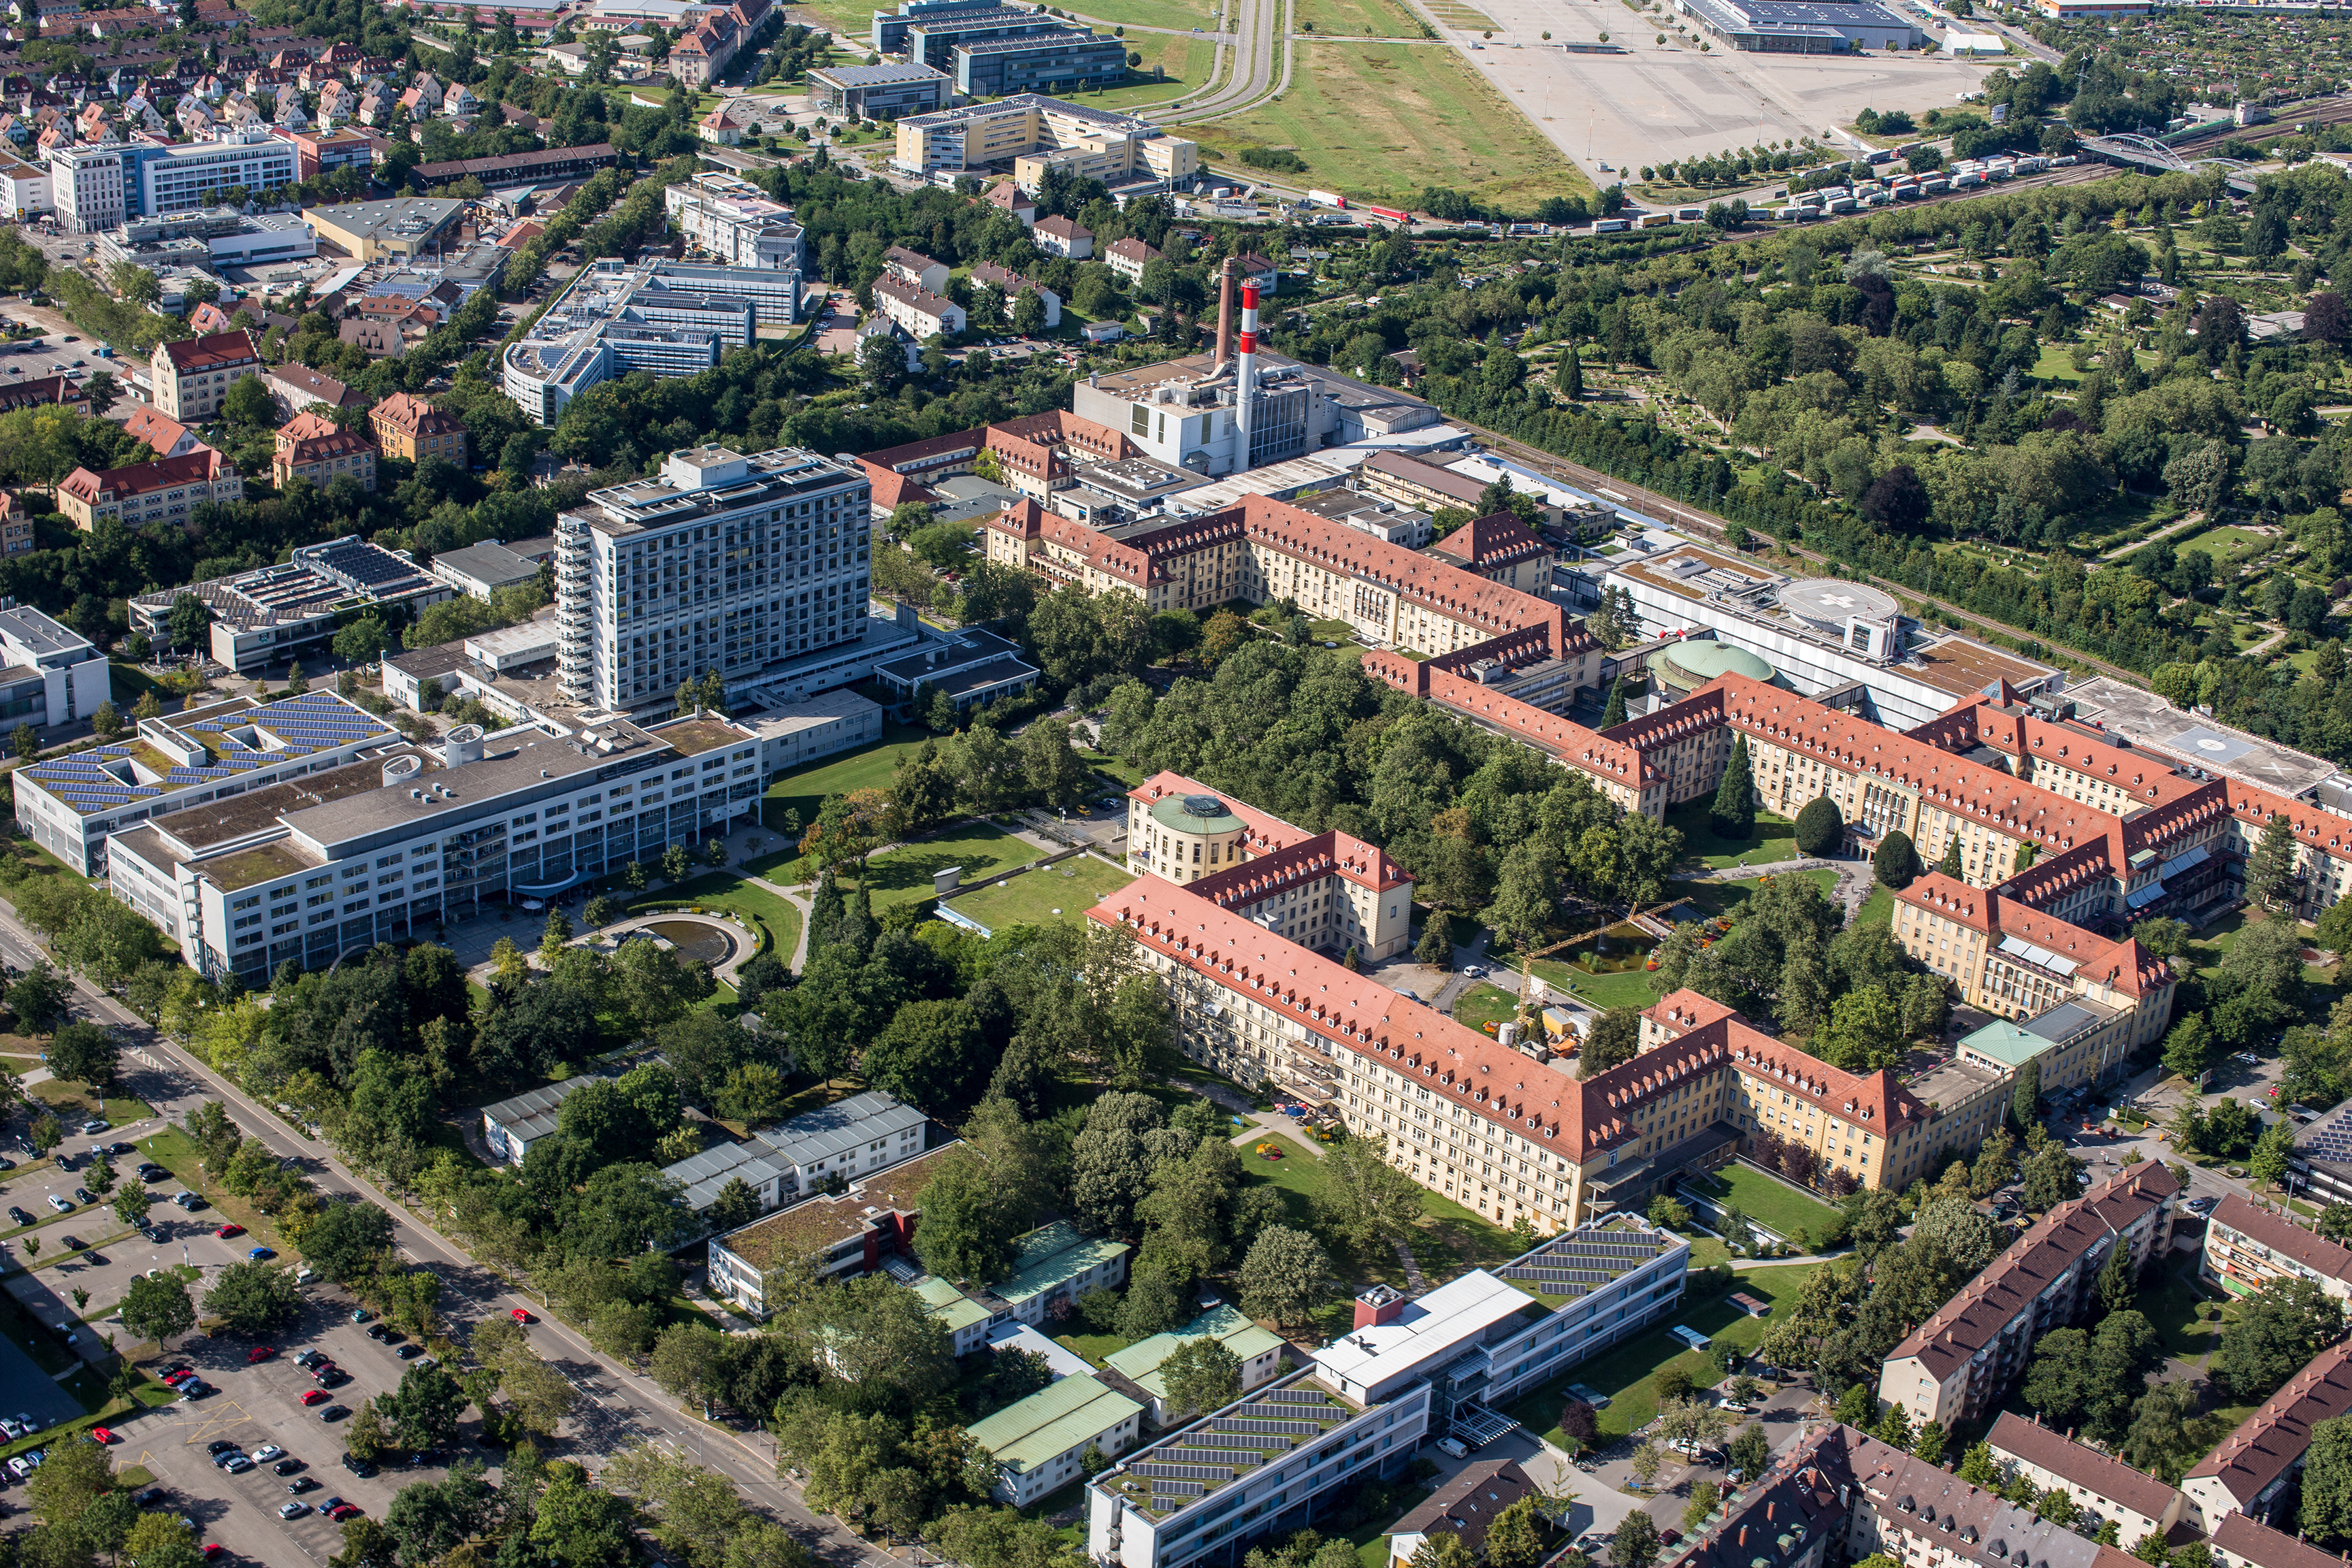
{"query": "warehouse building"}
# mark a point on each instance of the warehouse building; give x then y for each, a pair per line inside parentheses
(1803, 26)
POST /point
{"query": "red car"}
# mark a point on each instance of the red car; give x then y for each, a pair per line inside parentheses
(316, 1396)
(348, 1511)
(519, 1316)
(173, 1379)
(228, 1230)
(260, 1353)
(101, 1435)
(212, 1550)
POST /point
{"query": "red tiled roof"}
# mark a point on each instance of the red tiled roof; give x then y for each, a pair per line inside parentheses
(414, 416)
(1494, 540)
(2094, 1472)
(2240, 1542)
(163, 473)
(215, 350)
(2281, 1235)
(2276, 1436)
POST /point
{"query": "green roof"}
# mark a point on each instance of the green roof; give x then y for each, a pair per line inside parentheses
(949, 1305)
(2005, 1043)
(1195, 813)
(1139, 1362)
(1051, 1256)
(1051, 1422)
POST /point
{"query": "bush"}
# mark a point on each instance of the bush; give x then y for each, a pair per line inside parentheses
(1280, 159)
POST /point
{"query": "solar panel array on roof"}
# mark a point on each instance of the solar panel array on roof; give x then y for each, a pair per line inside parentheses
(101, 779)
(1185, 1472)
(1257, 1424)
(1294, 1396)
(1181, 1488)
(1237, 1440)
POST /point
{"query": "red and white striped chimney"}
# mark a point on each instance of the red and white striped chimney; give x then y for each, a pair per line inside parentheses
(1246, 374)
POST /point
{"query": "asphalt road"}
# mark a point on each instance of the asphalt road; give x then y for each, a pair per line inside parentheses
(618, 1407)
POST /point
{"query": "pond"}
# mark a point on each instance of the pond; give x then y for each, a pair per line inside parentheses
(1622, 948)
(695, 941)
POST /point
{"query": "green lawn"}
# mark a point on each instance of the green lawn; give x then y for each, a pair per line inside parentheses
(1484, 1004)
(1373, 119)
(75, 1103)
(1356, 19)
(2227, 546)
(981, 849)
(1715, 898)
(804, 789)
(2171, 1307)
(1063, 891)
(1764, 1200)
(2056, 364)
(1774, 838)
(1628, 1372)
(1633, 988)
(1878, 909)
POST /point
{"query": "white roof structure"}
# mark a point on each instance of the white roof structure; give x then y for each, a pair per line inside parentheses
(1372, 1363)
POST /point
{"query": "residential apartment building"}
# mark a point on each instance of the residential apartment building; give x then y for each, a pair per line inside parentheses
(314, 447)
(69, 805)
(324, 151)
(166, 490)
(192, 374)
(412, 429)
(723, 562)
(845, 1232)
(407, 836)
(1959, 1363)
(2240, 1542)
(1258, 1351)
(836, 1144)
(166, 438)
(1129, 258)
(512, 1125)
(1408, 1371)
(1012, 284)
(1839, 1493)
(917, 312)
(1464, 1506)
(1501, 549)
(2104, 1489)
(24, 188)
(86, 185)
(296, 387)
(1061, 237)
(2249, 1247)
(2252, 1471)
(1038, 1443)
(15, 527)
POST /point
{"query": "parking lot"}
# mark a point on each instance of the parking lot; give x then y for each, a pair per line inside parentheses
(259, 1403)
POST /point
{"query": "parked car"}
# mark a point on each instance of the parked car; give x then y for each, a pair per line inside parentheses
(407, 1352)
(519, 1316)
(268, 1452)
(261, 1254)
(260, 1353)
(228, 1230)
(315, 1396)
(290, 1467)
(97, 1124)
(1453, 1447)
(292, 1510)
(301, 1484)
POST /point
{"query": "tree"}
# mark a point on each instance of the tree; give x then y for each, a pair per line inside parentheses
(160, 1540)
(1201, 1375)
(1613, 712)
(1705, 1496)
(934, 1055)
(2049, 1178)
(2025, 1097)
(1928, 1443)
(1895, 1428)
(422, 1411)
(131, 1204)
(40, 998)
(1285, 1276)
(1820, 828)
(1435, 947)
(156, 1307)
(1364, 1202)
(2188, 1048)
(2271, 868)
(1749, 1452)
(1635, 1544)
(1733, 816)
(2326, 1482)
(348, 1240)
(1515, 1540)
(968, 1226)
(2268, 1164)
(1896, 863)
(2280, 1328)
(84, 1053)
(1614, 1040)
(253, 1298)
(1568, 373)
(1950, 866)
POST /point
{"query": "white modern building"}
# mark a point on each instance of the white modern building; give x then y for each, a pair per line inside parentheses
(727, 562)
(734, 220)
(511, 1126)
(843, 1140)
(50, 674)
(407, 837)
(669, 318)
(1406, 1373)
(70, 806)
(86, 184)
(274, 614)
(194, 176)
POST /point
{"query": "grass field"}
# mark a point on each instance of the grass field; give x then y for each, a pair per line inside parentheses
(1878, 909)
(1628, 1372)
(1184, 61)
(1715, 898)
(1483, 1005)
(1764, 1200)
(805, 789)
(1382, 122)
(981, 849)
(1356, 19)
(1633, 988)
(1063, 891)
(1201, 14)
(1774, 837)
(75, 1103)
(2225, 545)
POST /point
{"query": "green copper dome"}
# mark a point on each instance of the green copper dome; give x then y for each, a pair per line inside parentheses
(1703, 661)
(1195, 813)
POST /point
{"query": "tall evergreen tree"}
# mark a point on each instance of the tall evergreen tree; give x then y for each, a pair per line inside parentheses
(1614, 713)
(1570, 374)
(2272, 865)
(1950, 866)
(824, 912)
(1734, 812)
